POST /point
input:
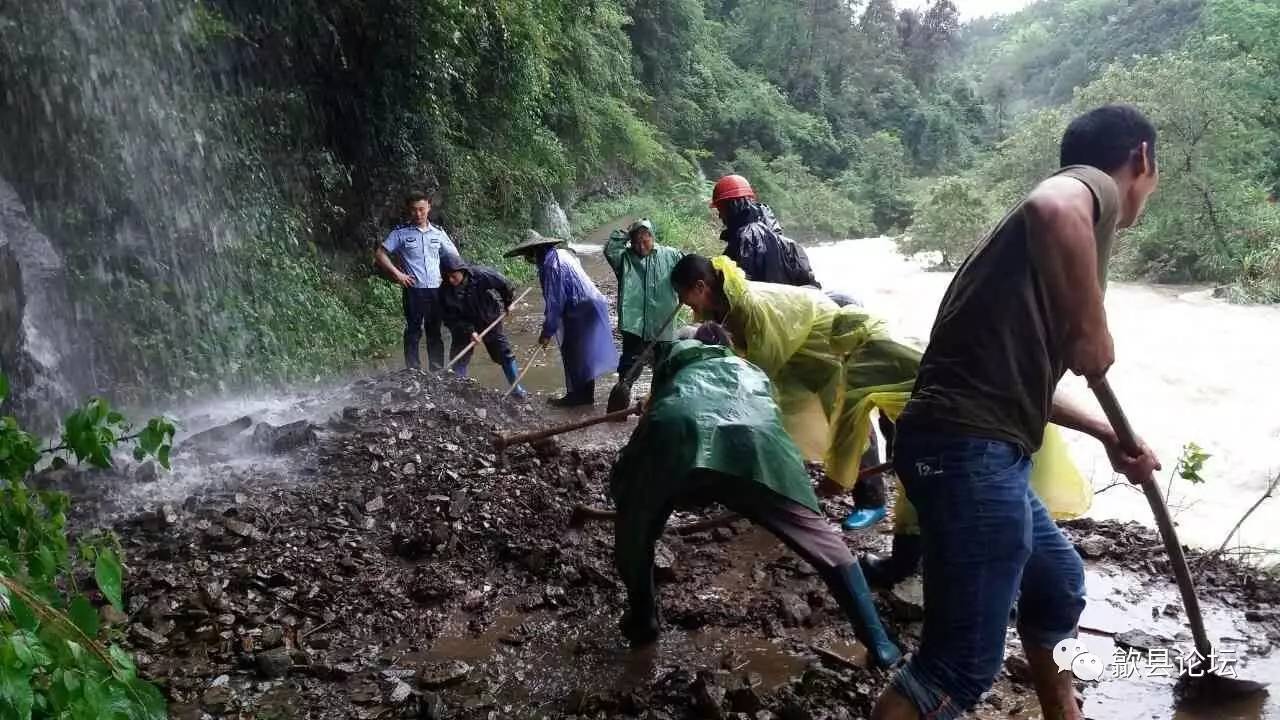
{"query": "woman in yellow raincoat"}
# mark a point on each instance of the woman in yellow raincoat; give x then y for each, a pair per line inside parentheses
(831, 366)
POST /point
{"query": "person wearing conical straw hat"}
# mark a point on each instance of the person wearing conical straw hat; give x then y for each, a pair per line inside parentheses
(576, 313)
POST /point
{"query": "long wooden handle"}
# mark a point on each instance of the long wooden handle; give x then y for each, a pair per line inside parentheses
(505, 441)
(634, 372)
(1177, 559)
(527, 364)
(484, 332)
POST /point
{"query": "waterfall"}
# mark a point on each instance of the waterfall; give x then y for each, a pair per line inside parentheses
(111, 135)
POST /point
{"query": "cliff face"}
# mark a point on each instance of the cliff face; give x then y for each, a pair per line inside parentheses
(36, 320)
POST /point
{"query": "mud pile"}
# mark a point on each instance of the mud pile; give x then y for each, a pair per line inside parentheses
(412, 572)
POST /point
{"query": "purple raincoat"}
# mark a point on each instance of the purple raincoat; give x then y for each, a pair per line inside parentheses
(578, 315)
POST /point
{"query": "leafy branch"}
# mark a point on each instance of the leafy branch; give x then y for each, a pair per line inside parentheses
(56, 659)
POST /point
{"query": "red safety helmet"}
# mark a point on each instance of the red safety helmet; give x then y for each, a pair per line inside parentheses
(731, 187)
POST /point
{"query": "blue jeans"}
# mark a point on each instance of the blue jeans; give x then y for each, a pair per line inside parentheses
(988, 542)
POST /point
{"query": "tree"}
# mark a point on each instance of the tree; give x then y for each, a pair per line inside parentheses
(56, 659)
(928, 38)
(879, 178)
(1205, 105)
(950, 221)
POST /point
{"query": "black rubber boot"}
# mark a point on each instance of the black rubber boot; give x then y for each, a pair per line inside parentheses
(902, 563)
(583, 396)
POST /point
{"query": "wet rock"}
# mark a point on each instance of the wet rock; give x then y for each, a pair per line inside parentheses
(906, 600)
(708, 697)
(793, 609)
(794, 711)
(241, 529)
(459, 503)
(430, 587)
(1139, 640)
(273, 439)
(536, 561)
(146, 637)
(722, 534)
(272, 664)
(162, 518)
(399, 693)
(664, 563)
(442, 674)
(432, 707)
(217, 698)
(271, 638)
(1018, 669)
(147, 472)
(1095, 547)
(216, 437)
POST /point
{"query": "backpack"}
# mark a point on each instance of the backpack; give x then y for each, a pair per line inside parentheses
(794, 262)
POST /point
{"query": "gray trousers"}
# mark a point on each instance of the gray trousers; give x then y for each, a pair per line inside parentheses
(806, 532)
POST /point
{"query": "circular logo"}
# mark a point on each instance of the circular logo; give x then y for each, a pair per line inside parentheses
(1087, 666)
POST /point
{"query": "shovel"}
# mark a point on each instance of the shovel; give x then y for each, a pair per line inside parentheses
(484, 332)
(620, 395)
(527, 364)
(502, 442)
(1199, 684)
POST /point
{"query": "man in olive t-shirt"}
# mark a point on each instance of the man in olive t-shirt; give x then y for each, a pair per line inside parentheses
(1025, 307)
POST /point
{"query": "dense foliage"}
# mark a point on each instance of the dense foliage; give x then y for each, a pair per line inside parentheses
(1205, 71)
(57, 659)
(223, 167)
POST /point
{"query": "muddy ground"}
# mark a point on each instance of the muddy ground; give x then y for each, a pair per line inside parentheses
(387, 563)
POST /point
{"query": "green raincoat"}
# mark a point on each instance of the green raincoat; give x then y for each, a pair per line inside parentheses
(709, 410)
(645, 295)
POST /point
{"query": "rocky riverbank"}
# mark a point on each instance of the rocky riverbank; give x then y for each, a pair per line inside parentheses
(401, 568)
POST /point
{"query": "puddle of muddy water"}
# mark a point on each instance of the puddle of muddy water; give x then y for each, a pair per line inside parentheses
(1142, 686)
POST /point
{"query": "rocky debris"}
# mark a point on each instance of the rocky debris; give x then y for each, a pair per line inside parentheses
(458, 590)
(906, 600)
(793, 609)
(273, 664)
(1140, 640)
(273, 439)
(442, 674)
(215, 438)
(1094, 547)
(147, 472)
(664, 563)
(1018, 669)
(217, 698)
